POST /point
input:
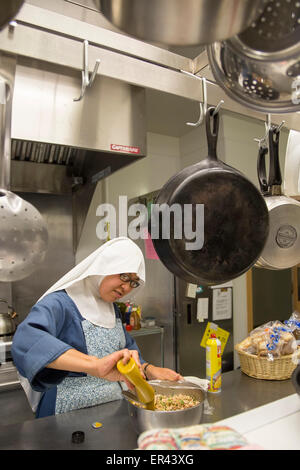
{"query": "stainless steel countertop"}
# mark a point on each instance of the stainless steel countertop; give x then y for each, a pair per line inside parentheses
(239, 393)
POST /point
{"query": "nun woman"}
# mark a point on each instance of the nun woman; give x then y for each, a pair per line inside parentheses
(67, 348)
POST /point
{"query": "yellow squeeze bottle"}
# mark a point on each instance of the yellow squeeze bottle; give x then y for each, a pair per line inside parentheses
(213, 364)
(144, 390)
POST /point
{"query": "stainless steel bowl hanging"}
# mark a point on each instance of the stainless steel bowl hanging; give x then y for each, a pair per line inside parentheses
(282, 248)
(23, 232)
(181, 22)
(260, 68)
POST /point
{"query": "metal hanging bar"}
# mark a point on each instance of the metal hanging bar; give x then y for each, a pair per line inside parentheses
(86, 80)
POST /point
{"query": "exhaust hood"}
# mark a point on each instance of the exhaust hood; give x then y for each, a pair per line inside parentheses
(60, 145)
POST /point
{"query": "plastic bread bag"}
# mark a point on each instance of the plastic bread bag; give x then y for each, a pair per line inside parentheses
(294, 324)
(271, 340)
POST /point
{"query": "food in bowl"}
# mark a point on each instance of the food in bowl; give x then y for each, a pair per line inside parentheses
(174, 403)
(145, 419)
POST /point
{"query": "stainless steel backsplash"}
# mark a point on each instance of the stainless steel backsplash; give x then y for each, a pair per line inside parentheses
(60, 258)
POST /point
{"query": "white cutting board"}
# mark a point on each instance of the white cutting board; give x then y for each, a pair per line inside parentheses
(275, 426)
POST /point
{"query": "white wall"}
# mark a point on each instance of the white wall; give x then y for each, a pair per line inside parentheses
(236, 147)
(162, 161)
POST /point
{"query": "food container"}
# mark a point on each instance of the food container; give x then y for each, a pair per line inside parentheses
(150, 321)
(144, 420)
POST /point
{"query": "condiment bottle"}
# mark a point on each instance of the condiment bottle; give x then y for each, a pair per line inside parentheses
(213, 363)
(135, 319)
(145, 392)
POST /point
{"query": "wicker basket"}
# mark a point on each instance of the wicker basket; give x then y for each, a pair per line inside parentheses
(280, 368)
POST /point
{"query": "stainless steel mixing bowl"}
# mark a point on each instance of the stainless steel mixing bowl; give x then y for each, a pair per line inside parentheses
(144, 420)
(181, 22)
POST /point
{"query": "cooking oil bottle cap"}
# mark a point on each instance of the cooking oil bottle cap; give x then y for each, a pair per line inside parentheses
(78, 437)
(126, 368)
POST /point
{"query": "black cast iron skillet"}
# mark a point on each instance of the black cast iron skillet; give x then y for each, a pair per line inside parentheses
(236, 220)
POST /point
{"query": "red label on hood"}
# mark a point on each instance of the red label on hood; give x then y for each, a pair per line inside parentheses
(124, 148)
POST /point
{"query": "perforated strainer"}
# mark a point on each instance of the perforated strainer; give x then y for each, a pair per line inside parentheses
(260, 67)
(276, 29)
(23, 232)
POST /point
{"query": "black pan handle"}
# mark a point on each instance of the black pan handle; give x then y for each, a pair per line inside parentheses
(212, 134)
(274, 173)
(261, 169)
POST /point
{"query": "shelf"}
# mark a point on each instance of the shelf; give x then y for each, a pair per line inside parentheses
(151, 330)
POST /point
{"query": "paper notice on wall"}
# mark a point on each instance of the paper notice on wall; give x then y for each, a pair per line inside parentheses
(222, 303)
(221, 334)
(191, 290)
(202, 309)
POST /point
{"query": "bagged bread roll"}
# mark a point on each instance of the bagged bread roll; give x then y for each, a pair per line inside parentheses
(271, 340)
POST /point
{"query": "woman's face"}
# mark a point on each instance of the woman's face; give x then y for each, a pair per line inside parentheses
(112, 288)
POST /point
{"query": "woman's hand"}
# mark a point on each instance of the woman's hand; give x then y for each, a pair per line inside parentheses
(162, 373)
(105, 367)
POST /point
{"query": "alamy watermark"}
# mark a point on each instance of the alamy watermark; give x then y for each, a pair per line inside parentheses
(177, 221)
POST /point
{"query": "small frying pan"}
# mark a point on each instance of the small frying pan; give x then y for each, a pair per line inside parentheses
(236, 218)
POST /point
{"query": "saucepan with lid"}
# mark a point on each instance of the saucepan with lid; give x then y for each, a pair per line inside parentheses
(282, 248)
(143, 419)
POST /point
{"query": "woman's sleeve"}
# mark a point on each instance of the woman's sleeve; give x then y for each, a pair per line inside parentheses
(36, 344)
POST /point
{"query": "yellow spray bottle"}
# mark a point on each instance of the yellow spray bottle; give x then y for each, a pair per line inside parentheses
(145, 392)
(213, 363)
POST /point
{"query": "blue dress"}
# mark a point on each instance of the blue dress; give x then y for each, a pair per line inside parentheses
(53, 326)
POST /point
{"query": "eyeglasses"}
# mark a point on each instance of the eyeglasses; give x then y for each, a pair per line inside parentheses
(132, 283)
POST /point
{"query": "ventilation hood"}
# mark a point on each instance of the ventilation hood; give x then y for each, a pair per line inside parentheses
(61, 145)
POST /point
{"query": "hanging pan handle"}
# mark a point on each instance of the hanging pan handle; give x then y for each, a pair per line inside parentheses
(261, 169)
(275, 179)
(212, 117)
